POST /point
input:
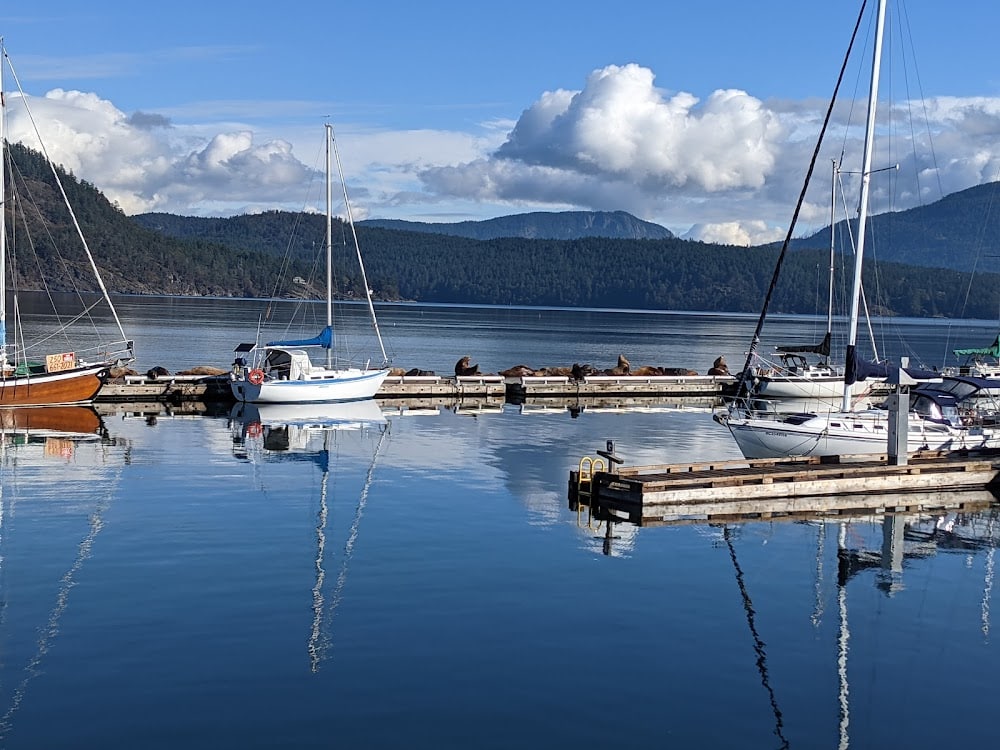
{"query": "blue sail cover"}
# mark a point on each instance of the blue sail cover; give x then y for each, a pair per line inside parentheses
(857, 369)
(324, 339)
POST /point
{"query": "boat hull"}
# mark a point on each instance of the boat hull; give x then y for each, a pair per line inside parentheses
(841, 435)
(345, 385)
(54, 420)
(74, 386)
(794, 387)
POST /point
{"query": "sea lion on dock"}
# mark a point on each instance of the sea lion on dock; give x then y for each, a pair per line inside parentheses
(157, 372)
(120, 373)
(719, 367)
(416, 372)
(203, 370)
(579, 372)
(558, 372)
(518, 371)
(622, 368)
(463, 367)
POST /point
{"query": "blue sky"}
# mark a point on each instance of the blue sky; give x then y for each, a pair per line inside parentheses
(699, 116)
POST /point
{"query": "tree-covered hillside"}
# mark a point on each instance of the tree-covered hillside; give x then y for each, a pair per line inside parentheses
(539, 225)
(671, 274)
(280, 253)
(957, 232)
(46, 249)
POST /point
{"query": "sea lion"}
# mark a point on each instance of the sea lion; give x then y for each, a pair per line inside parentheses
(719, 367)
(156, 372)
(518, 371)
(556, 372)
(462, 367)
(203, 370)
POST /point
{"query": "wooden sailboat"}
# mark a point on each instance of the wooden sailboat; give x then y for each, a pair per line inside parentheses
(29, 377)
(282, 371)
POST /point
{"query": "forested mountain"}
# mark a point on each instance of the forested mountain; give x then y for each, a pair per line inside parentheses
(539, 225)
(959, 231)
(670, 274)
(132, 259)
(247, 255)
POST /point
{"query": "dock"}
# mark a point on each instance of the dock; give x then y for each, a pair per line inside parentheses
(775, 488)
(536, 387)
(593, 390)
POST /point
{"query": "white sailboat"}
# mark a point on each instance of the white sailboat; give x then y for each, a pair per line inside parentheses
(847, 431)
(282, 372)
(28, 375)
(792, 376)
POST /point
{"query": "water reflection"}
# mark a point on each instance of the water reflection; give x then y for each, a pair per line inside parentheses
(263, 432)
(40, 461)
(877, 547)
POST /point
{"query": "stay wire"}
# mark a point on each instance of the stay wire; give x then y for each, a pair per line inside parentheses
(742, 388)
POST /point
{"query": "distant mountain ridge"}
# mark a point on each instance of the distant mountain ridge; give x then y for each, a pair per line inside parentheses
(539, 225)
(275, 254)
(957, 232)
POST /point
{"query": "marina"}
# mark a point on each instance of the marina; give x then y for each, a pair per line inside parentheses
(298, 587)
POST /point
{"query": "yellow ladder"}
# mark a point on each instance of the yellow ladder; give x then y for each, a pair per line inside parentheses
(585, 485)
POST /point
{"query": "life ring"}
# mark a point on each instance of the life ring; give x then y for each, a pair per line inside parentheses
(254, 429)
(256, 376)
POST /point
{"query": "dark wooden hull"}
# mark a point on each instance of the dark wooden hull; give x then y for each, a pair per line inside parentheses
(79, 420)
(78, 385)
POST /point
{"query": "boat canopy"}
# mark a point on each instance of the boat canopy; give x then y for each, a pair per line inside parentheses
(993, 350)
(822, 348)
(324, 339)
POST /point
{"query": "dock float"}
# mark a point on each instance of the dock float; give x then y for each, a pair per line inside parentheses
(592, 390)
(770, 488)
(521, 389)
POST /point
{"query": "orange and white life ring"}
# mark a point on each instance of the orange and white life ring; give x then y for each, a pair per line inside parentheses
(256, 376)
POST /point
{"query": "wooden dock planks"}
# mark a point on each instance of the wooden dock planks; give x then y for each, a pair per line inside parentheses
(779, 486)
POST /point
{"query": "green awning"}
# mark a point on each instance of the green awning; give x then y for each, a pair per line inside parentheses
(993, 350)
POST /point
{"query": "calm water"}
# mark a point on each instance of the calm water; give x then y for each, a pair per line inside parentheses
(422, 582)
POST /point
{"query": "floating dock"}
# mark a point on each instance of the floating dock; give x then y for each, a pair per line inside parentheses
(538, 387)
(771, 488)
(535, 389)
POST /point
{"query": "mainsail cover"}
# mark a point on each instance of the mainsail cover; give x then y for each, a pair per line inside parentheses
(857, 369)
(822, 348)
(990, 351)
(324, 339)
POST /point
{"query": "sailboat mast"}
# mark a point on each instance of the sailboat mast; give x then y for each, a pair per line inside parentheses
(3, 217)
(833, 224)
(866, 166)
(329, 226)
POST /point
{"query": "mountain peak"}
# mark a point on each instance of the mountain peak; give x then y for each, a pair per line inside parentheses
(539, 225)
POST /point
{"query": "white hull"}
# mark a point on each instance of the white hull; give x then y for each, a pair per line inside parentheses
(333, 385)
(830, 387)
(840, 433)
(346, 414)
